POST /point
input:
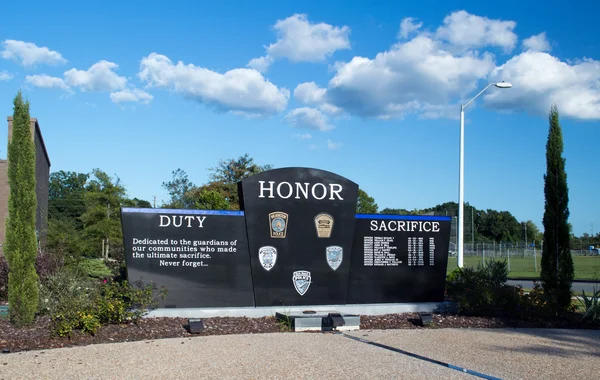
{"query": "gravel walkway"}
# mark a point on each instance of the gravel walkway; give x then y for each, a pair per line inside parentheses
(501, 353)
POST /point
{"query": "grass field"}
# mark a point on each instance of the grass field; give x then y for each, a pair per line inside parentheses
(586, 267)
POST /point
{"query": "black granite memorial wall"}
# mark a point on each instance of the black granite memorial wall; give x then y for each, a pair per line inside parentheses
(300, 225)
(297, 241)
(399, 259)
(200, 256)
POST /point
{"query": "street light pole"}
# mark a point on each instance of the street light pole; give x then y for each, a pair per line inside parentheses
(461, 175)
(461, 190)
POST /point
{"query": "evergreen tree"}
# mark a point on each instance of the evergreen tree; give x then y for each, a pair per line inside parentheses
(557, 264)
(21, 242)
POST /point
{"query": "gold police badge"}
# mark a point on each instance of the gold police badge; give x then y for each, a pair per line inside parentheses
(278, 224)
(324, 225)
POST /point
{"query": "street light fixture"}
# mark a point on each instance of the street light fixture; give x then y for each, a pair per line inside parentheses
(461, 176)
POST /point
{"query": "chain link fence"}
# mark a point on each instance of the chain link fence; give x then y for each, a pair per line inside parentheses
(523, 258)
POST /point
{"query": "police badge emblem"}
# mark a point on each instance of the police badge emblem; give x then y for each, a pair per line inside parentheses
(267, 256)
(278, 224)
(324, 225)
(334, 255)
(301, 279)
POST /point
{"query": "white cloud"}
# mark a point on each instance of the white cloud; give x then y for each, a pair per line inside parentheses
(46, 81)
(308, 118)
(99, 77)
(407, 26)
(260, 64)
(429, 76)
(303, 136)
(540, 80)
(537, 42)
(440, 111)
(405, 79)
(29, 54)
(131, 96)
(299, 40)
(239, 90)
(333, 145)
(5, 75)
(465, 30)
(312, 146)
(311, 94)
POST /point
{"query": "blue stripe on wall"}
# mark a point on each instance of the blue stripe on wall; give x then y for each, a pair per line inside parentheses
(174, 211)
(241, 213)
(403, 217)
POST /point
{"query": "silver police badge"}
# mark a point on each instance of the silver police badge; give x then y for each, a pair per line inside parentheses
(267, 256)
(334, 255)
(301, 279)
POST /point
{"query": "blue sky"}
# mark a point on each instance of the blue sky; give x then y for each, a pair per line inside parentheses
(371, 91)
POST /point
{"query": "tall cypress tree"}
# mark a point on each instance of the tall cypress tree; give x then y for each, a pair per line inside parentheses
(557, 264)
(21, 241)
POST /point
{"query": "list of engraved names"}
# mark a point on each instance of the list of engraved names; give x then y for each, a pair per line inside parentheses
(378, 251)
(382, 251)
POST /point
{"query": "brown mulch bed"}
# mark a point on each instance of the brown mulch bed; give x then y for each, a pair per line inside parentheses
(37, 336)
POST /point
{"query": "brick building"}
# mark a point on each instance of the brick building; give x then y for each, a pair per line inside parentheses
(42, 176)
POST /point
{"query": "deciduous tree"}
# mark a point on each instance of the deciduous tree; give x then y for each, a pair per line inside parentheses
(229, 172)
(178, 189)
(102, 218)
(365, 204)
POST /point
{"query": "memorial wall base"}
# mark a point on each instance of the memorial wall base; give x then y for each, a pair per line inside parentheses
(271, 311)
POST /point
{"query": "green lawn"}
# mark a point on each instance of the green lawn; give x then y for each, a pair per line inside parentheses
(586, 267)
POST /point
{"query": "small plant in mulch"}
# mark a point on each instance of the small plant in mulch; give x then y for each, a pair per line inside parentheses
(73, 301)
(591, 306)
(284, 321)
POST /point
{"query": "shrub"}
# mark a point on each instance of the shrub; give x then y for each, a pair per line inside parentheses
(66, 287)
(120, 302)
(483, 291)
(47, 263)
(116, 263)
(3, 278)
(466, 287)
(67, 297)
(95, 268)
(74, 302)
(536, 303)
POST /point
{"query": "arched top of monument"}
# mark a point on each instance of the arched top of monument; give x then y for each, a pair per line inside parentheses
(296, 184)
(298, 174)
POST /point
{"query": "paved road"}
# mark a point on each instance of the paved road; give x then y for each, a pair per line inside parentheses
(588, 287)
(501, 353)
